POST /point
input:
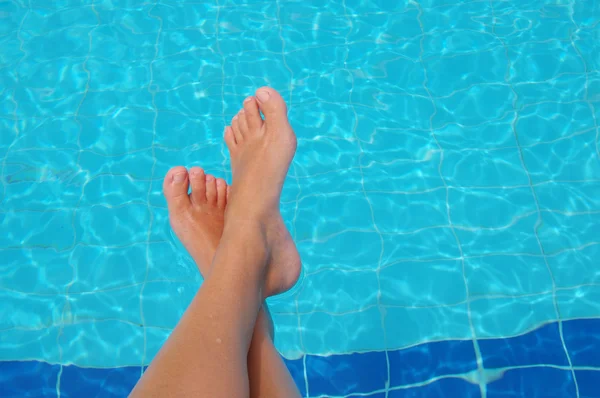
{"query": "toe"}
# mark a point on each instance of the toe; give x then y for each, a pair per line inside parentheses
(211, 189)
(243, 123)
(198, 182)
(235, 126)
(230, 139)
(271, 105)
(221, 193)
(252, 114)
(175, 187)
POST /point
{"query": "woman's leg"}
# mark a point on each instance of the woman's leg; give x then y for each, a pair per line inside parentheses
(207, 352)
(197, 220)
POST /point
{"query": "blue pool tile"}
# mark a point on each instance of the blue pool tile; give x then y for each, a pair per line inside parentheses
(573, 159)
(474, 67)
(579, 196)
(539, 382)
(402, 176)
(582, 338)
(157, 297)
(99, 225)
(519, 238)
(357, 330)
(421, 211)
(587, 43)
(496, 317)
(487, 136)
(467, 16)
(568, 231)
(22, 270)
(540, 347)
(489, 208)
(19, 343)
(85, 343)
(429, 323)
(579, 302)
(30, 311)
(539, 61)
(350, 211)
(92, 382)
(375, 395)
(588, 381)
(27, 379)
(476, 105)
(296, 368)
(576, 267)
(507, 275)
(567, 119)
(346, 374)
(426, 244)
(344, 291)
(383, 146)
(477, 168)
(347, 250)
(426, 361)
(413, 283)
(444, 388)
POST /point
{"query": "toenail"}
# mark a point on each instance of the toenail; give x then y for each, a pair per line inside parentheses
(248, 99)
(195, 172)
(241, 112)
(235, 117)
(263, 96)
(209, 178)
(179, 177)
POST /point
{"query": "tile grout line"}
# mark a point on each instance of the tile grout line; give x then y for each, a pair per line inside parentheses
(469, 298)
(148, 196)
(85, 320)
(535, 198)
(297, 201)
(380, 308)
(15, 116)
(66, 311)
(478, 357)
(501, 338)
(223, 60)
(587, 77)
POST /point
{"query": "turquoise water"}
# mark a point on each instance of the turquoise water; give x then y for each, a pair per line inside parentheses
(446, 185)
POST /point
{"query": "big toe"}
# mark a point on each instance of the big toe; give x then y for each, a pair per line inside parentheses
(272, 105)
(175, 188)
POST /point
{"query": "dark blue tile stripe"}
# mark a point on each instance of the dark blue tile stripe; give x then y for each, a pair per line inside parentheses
(582, 338)
(533, 382)
(534, 364)
(542, 346)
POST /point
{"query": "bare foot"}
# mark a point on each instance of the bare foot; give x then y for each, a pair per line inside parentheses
(198, 220)
(261, 152)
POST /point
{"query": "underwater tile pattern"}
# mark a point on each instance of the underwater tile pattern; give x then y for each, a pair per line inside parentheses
(446, 188)
(525, 366)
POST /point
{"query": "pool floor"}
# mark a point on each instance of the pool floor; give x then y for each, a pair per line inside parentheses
(445, 196)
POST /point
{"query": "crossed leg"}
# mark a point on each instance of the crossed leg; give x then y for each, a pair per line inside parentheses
(255, 250)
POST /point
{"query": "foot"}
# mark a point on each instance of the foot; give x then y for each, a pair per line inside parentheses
(198, 220)
(261, 152)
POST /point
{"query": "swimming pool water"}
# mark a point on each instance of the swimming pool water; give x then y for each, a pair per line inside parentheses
(445, 197)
